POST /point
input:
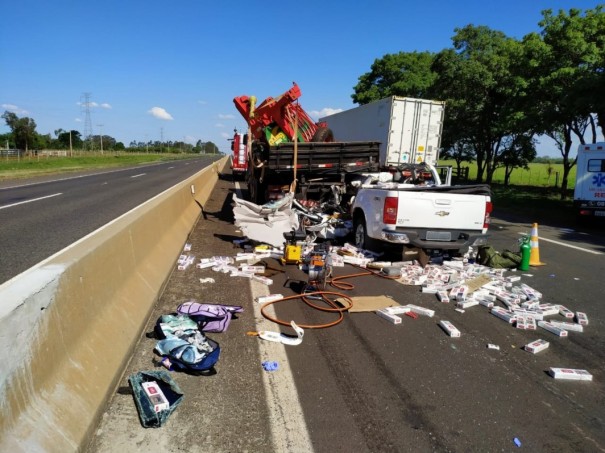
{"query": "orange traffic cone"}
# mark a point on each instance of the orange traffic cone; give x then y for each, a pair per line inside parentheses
(534, 257)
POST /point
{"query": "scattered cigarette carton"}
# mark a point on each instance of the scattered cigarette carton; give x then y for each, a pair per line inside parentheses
(568, 326)
(241, 274)
(552, 328)
(530, 292)
(454, 292)
(205, 263)
(565, 312)
(485, 295)
(156, 396)
(443, 297)
(462, 293)
(263, 280)
(253, 269)
(467, 303)
(525, 313)
(530, 323)
(520, 324)
(581, 318)
(503, 314)
(486, 303)
(383, 313)
(430, 289)
(548, 309)
(493, 346)
(571, 374)
(449, 328)
(269, 298)
(421, 310)
(397, 309)
(187, 248)
(536, 346)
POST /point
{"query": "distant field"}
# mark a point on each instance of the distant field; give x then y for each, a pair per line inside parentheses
(12, 168)
(537, 175)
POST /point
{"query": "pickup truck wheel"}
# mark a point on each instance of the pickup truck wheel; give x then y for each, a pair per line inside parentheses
(360, 232)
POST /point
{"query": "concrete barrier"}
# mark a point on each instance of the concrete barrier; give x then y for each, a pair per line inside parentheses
(69, 324)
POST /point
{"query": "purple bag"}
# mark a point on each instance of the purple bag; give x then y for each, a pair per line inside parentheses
(209, 317)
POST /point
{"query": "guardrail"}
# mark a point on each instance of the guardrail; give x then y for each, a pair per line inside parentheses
(69, 324)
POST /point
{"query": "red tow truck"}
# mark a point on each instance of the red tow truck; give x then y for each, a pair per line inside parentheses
(239, 156)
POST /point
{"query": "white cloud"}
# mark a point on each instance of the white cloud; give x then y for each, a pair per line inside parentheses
(78, 120)
(160, 113)
(316, 114)
(189, 139)
(219, 125)
(13, 108)
(223, 116)
(202, 102)
(225, 135)
(105, 105)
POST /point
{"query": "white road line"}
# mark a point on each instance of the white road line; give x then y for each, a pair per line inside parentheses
(29, 201)
(287, 421)
(140, 174)
(564, 244)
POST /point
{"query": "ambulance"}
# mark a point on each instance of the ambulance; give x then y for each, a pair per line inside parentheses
(589, 193)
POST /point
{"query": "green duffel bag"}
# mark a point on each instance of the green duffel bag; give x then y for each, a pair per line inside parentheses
(487, 255)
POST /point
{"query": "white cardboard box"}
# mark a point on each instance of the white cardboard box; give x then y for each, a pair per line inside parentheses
(156, 396)
(570, 373)
(552, 328)
(451, 330)
(536, 346)
(383, 313)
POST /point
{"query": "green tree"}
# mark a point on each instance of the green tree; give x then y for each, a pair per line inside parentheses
(63, 138)
(209, 148)
(460, 152)
(484, 92)
(565, 65)
(23, 130)
(401, 74)
(518, 152)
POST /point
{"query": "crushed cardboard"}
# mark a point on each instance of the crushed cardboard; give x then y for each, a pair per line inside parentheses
(364, 304)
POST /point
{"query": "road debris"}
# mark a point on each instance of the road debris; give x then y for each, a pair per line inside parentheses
(536, 346)
(570, 374)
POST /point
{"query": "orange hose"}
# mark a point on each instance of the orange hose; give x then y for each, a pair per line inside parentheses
(335, 308)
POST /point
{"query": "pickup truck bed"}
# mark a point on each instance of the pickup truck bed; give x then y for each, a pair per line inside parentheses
(427, 217)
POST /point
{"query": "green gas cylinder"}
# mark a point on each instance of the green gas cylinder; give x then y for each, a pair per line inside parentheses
(525, 250)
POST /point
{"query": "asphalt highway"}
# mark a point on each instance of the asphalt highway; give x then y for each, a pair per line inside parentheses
(41, 216)
(366, 385)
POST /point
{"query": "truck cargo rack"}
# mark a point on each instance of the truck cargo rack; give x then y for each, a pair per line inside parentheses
(318, 157)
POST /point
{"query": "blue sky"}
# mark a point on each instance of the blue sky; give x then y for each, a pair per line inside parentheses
(171, 69)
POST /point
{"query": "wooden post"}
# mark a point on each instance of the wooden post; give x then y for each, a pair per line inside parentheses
(293, 185)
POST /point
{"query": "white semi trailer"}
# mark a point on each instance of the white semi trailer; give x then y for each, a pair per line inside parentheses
(409, 129)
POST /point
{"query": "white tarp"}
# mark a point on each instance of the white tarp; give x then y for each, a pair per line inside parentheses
(266, 223)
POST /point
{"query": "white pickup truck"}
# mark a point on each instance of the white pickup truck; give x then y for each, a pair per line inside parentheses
(411, 206)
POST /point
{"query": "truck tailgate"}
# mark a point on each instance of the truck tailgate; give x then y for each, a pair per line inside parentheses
(441, 210)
